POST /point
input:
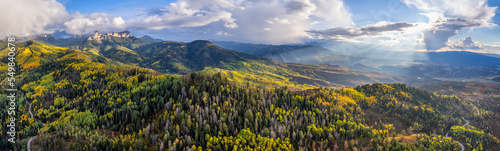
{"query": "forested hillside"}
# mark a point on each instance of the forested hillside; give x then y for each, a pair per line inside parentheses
(84, 101)
(483, 108)
(183, 58)
(117, 48)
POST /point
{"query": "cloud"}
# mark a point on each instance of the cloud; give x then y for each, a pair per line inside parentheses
(286, 21)
(154, 11)
(221, 33)
(188, 13)
(466, 9)
(302, 8)
(457, 24)
(438, 35)
(447, 17)
(436, 39)
(80, 24)
(491, 48)
(258, 21)
(360, 31)
(465, 44)
(332, 13)
(34, 17)
(30, 17)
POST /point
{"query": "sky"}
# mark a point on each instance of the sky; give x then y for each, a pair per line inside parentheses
(393, 25)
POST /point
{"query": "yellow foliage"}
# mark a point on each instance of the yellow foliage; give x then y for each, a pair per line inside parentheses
(31, 65)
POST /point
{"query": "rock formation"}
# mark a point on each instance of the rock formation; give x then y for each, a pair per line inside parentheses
(98, 37)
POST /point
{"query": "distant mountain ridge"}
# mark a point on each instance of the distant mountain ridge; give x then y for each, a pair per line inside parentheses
(419, 65)
(285, 53)
(150, 39)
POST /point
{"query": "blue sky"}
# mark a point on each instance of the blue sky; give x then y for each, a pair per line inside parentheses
(434, 25)
(117, 7)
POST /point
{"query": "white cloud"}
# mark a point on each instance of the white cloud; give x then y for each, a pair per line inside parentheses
(438, 35)
(447, 17)
(33, 17)
(465, 9)
(259, 21)
(190, 13)
(81, 24)
(287, 21)
(466, 44)
(221, 33)
(360, 31)
(30, 17)
(277, 21)
(332, 13)
(492, 48)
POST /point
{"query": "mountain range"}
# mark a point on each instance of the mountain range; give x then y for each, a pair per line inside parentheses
(184, 58)
(449, 65)
(415, 66)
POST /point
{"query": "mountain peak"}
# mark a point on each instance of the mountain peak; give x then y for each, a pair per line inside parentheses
(146, 36)
(200, 44)
(151, 39)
